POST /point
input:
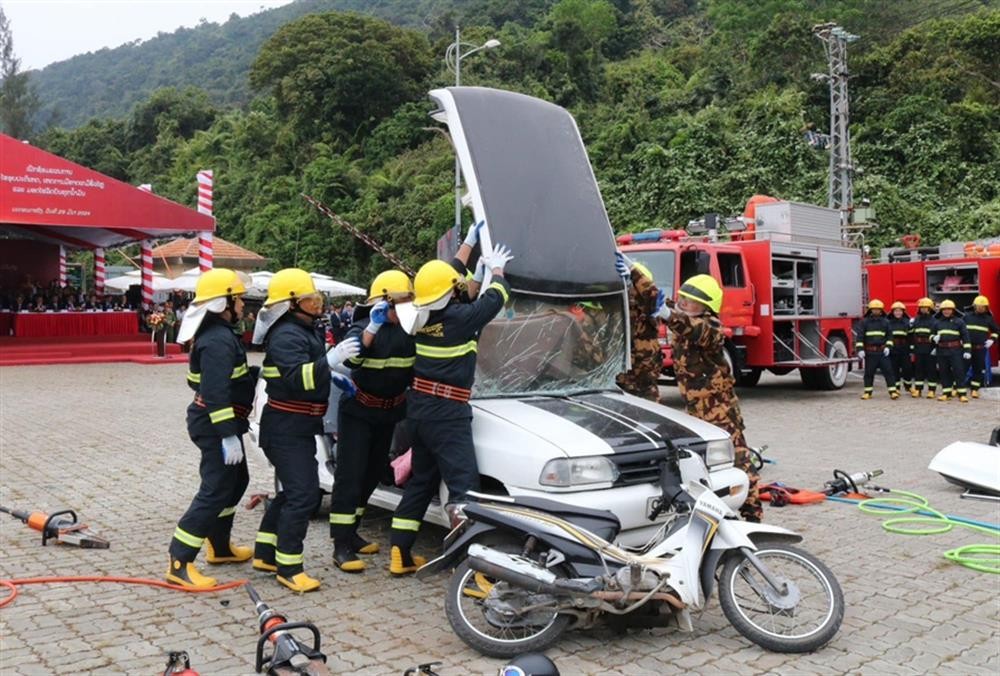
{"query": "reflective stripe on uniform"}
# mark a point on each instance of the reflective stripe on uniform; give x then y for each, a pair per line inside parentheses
(405, 524)
(874, 333)
(446, 352)
(900, 333)
(267, 538)
(270, 372)
(360, 512)
(921, 330)
(342, 519)
(240, 370)
(950, 332)
(503, 292)
(976, 327)
(222, 415)
(308, 382)
(188, 539)
(194, 377)
(228, 511)
(389, 363)
(283, 559)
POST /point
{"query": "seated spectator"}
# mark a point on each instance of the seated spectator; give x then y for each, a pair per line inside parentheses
(39, 305)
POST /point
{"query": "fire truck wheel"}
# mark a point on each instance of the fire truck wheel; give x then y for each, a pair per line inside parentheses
(835, 376)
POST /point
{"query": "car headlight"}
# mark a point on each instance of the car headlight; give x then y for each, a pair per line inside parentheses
(719, 452)
(565, 472)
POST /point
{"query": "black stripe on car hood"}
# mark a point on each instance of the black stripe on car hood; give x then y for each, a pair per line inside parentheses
(663, 426)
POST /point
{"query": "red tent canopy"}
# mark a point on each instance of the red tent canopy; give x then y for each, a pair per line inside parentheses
(48, 198)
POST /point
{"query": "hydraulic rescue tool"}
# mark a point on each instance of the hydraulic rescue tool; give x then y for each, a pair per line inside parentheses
(63, 526)
(849, 483)
(290, 656)
(179, 664)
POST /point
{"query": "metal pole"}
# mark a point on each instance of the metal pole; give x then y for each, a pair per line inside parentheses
(458, 164)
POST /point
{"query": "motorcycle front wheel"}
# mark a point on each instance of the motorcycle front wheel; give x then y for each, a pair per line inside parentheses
(475, 603)
(802, 619)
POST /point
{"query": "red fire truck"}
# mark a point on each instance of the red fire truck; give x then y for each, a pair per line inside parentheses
(954, 271)
(792, 290)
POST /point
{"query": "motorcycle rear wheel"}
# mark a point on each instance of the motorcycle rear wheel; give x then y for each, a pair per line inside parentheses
(803, 621)
(467, 614)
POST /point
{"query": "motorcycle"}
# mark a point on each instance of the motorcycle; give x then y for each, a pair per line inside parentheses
(526, 568)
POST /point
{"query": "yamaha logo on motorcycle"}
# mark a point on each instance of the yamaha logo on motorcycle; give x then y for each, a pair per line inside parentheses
(528, 569)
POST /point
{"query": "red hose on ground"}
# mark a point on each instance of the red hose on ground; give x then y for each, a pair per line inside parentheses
(13, 584)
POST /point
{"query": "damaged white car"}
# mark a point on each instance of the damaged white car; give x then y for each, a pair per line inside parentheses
(548, 419)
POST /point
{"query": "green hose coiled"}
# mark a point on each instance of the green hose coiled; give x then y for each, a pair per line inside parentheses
(984, 558)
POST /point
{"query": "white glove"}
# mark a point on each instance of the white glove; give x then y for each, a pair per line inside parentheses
(480, 273)
(232, 450)
(343, 351)
(861, 355)
(935, 337)
(472, 237)
(988, 344)
(663, 313)
(886, 351)
(499, 257)
(933, 353)
(966, 356)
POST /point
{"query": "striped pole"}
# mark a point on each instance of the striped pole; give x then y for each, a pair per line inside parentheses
(205, 239)
(62, 267)
(99, 272)
(147, 262)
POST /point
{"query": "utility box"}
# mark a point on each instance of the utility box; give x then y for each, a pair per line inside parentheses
(795, 222)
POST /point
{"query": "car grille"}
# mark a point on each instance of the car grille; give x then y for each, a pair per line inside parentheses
(643, 467)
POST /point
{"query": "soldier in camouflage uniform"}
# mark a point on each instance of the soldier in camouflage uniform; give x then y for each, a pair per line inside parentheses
(641, 379)
(703, 376)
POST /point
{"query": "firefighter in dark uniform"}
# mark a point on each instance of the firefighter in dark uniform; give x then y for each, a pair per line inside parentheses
(438, 411)
(366, 421)
(703, 377)
(924, 359)
(297, 370)
(953, 349)
(216, 420)
(899, 352)
(873, 348)
(983, 332)
(643, 376)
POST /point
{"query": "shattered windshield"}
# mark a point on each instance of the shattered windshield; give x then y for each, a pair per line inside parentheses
(552, 346)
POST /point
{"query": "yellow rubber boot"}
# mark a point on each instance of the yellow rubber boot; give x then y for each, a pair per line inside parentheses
(346, 559)
(943, 397)
(964, 399)
(915, 393)
(401, 563)
(236, 554)
(186, 575)
(300, 583)
(930, 394)
(894, 395)
(866, 395)
(261, 564)
(975, 394)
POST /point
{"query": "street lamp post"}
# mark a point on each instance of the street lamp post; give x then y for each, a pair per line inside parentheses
(453, 59)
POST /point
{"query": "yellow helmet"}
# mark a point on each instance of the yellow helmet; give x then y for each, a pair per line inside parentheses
(925, 302)
(289, 284)
(876, 304)
(390, 285)
(947, 305)
(703, 289)
(981, 300)
(435, 279)
(898, 305)
(218, 282)
(643, 270)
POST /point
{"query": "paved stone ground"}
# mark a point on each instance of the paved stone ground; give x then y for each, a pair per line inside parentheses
(109, 441)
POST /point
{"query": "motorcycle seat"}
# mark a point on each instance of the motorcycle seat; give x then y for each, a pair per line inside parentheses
(600, 522)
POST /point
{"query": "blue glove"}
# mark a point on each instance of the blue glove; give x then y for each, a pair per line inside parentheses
(662, 309)
(622, 265)
(345, 384)
(378, 316)
(472, 237)
(232, 450)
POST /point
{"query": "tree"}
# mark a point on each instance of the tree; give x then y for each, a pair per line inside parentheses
(335, 75)
(18, 102)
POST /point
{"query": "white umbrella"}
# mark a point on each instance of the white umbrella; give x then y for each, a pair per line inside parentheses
(324, 284)
(187, 281)
(134, 278)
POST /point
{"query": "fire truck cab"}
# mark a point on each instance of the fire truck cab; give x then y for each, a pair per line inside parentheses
(791, 291)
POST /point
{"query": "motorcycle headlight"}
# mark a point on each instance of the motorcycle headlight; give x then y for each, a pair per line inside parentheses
(563, 472)
(719, 452)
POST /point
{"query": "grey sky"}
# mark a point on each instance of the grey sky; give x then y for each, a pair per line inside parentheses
(53, 30)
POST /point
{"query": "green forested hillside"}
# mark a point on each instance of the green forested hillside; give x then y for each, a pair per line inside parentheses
(686, 106)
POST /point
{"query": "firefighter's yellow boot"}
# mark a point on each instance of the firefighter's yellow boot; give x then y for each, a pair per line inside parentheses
(975, 394)
(930, 394)
(943, 397)
(186, 575)
(964, 399)
(236, 554)
(866, 395)
(403, 563)
(261, 564)
(915, 393)
(300, 582)
(345, 558)
(894, 395)
(362, 546)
